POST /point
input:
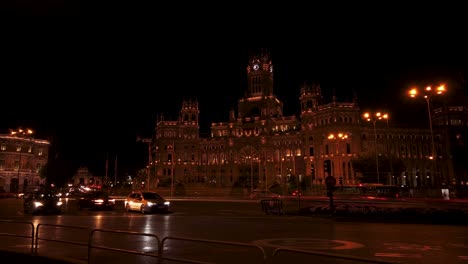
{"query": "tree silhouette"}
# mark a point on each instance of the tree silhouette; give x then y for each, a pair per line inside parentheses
(366, 165)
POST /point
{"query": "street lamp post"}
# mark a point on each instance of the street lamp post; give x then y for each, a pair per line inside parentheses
(386, 117)
(172, 169)
(338, 137)
(427, 95)
(373, 118)
(251, 175)
(148, 142)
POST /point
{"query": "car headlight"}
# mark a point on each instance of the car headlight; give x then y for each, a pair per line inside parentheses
(98, 201)
(38, 204)
(149, 203)
(167, 203)
(59, 203)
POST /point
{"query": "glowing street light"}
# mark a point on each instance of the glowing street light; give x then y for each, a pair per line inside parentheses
(338, 137)
(386, 117)
(150, 161)
(427, 94)
(374, 118)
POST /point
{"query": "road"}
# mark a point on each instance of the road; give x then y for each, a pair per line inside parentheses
(240, 222)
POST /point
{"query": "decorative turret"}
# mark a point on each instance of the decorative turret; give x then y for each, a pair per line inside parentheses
(311, 96)
(189, 113)
(232, 116)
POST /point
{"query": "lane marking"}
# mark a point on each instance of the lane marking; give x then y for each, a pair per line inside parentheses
(458, 245)
(397, 255)
(408, 246)
(309, 243)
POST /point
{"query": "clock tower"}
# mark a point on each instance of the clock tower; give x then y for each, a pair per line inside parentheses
(260, 75)
(259, 99)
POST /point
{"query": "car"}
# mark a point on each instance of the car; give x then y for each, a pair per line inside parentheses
(263, 194)
(296, 193)
(41, 203)
(96, 200)
(146, 202)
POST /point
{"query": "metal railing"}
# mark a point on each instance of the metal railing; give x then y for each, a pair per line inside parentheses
(161, 255)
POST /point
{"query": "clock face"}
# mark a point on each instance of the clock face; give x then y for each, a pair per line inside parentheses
(255, 67)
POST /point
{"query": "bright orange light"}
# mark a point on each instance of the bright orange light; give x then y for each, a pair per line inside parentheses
(338, 136)
(441, 89)
(428, 91)
(366, 115)
(21, 132)
(385, 116)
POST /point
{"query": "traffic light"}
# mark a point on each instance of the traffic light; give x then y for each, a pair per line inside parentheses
(340, 180)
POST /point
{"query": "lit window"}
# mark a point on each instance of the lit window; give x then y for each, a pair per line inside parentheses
(39, 152)
(29, 149)
(18, 148)
(3, 147)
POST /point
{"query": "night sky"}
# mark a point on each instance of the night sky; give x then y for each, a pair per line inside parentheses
(94, 85)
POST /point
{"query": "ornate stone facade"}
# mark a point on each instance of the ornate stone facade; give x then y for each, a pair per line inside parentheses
(21, 159)
(259, 146)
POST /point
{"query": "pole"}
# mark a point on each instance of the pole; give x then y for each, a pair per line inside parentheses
(172, 169)
(392, 177)
(19, 166)
(376, 152)
(107, 165)
(337, 168)
(251, 171)
(265, 170)
(259, 168)
(115, 171)
(340, 172)
(149, 164)
(433, 153)
(156, 185)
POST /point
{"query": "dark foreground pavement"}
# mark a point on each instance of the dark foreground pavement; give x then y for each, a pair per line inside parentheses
(26, 258)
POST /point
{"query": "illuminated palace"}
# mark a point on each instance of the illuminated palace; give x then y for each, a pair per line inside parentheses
(21, 158)
(259, 146)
